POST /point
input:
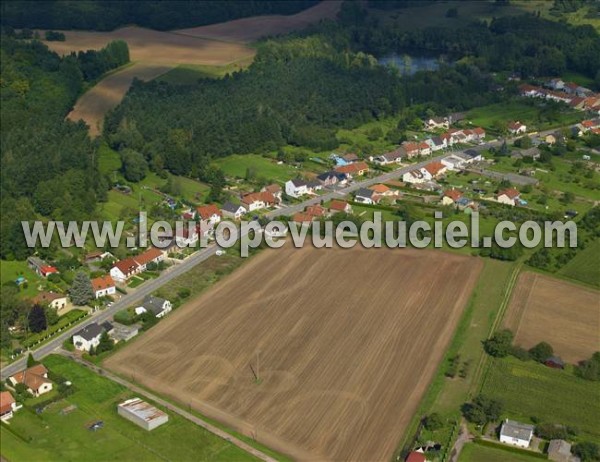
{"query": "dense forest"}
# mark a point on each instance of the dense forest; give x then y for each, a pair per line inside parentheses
(298, 91)
(48, 164)
(527, 44)
(155, 14)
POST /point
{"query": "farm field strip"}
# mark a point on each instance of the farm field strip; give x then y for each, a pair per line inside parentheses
(311, 365)
(545, 309)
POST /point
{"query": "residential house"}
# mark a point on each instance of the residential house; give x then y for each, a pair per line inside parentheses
(233, 211)
(509, 196)
(351, 157)
(556, 84)
(35, 379)
(274, 189)
(392, 157)
(51, 299)
(451, 196)
(478, 133)
(88, 337)
(560, 451)
(186, 236)
(366, 196)
(424, 148)
(124, 269)
(453, 162)
(516, 128)
(416, 456)
(210, 214)
(529, 90)
(8, 406)
(439, 143)
(473, 155)
(302, 217)
(433, 170)
(436, 122)
(382, 190)
(158, 306)
(296, 188)
(354, 169)
(42, 268)
(123, 333)
(411, 149)
(578, 130)
(414, 177)
(150, 255)
(314, 185)
(339, 206)
(516, 433)
(316, 210)
(258, 200)
(550, 139)
(103, 286)
(456, 117)
(332, 178)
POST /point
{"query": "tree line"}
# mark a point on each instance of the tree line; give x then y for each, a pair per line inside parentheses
(48, 164)
(155, 14)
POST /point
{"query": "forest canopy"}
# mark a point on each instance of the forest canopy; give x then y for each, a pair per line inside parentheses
(155, 14)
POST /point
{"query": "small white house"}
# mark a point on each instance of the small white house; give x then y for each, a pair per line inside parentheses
(516, 433)
(509, 196)
(103, 286)
(296, 187)
(233, 211)
(88, 337)
(515, 128)
(35, 379)
(414, 177)
(159, 306)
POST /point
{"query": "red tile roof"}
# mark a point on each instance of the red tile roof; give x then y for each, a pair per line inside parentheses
(379, 188)
(207, 211)
(264, 196)
(315, 210)
(127, 266)
(356, 167)
(302, 217)
(434, 168)
(32, 377)
(102, 282)
(6, 402)
(453, 194)
(479, 131)
(416, 457)
(512, 193)
(147, 256)
(338, 205)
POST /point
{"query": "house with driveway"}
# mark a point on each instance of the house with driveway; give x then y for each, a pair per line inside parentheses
(103, 286)
(296, 188)
(88, 337)
(156, 305)
(35, 379)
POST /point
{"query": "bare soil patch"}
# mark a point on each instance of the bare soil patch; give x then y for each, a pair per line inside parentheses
(251, 29)
(565, 315)
(344, 344)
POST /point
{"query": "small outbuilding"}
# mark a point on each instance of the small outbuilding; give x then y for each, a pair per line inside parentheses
(142, 413)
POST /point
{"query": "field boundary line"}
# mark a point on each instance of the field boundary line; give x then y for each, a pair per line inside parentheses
(171, 407)
(483, 366)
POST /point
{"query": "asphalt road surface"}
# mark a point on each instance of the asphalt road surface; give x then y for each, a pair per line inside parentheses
(198, 257)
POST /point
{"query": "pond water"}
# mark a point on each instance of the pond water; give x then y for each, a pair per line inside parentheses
(413, 63)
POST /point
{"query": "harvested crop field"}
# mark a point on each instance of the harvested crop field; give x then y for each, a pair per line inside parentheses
(343, 342)
(567, 316)
(256, 27)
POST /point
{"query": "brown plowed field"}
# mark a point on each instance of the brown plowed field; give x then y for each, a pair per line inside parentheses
(344, 342)
(567, 316)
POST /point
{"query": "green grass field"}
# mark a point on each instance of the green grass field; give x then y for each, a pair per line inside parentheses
(11, 270)
(473, 452)
(237, 165)
(529, 389)
(109, 160)
(52, 436)
(584, 267)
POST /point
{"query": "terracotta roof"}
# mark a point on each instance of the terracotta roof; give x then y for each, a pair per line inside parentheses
(127, 266)
(147, 256)
(479, 131)
(416, 457)
(102, 282)
(352, 168)
(6, 402)
(338, 205)
(588, 123)
(207, 211)
(350, 157)
(379, 188)
(46, 297)
(315, 210)
(264, 196)
(509, 192)
(273, 188)
(453, 194)
(33, 377)
(434, 168)
(410, 147)
(514, 125)
(301, 217)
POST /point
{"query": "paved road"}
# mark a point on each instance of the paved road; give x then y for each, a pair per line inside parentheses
(193, 260)
(173, 408)
(200, 256)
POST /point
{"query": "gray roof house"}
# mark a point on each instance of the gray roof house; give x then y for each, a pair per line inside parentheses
(158, 306)
(88, 337)
(560, 451)
(516, 433)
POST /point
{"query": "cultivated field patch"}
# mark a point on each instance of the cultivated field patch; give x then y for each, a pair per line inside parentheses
(567, 316)
(320, 354)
